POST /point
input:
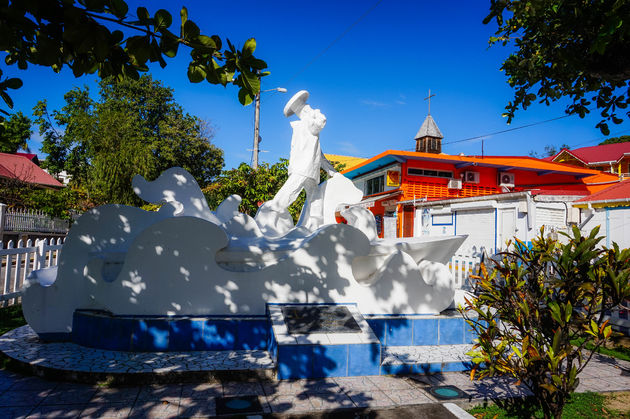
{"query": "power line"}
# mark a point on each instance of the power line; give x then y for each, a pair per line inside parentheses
(529, 125)
(508, 130)
(601, 138)
(334, 42)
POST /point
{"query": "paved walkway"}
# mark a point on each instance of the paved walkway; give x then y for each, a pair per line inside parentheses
(28, 396)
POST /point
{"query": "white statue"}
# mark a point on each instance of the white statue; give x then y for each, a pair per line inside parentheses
(304, 163)
(306, 154)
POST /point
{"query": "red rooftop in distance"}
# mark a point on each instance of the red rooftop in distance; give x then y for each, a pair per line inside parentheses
(20, 166)
(619, 193)
(614, 158)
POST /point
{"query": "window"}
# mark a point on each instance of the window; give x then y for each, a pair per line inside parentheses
(428, 172)
(375, 185)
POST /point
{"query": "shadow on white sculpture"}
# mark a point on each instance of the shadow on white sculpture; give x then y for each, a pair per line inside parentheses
(185, 259)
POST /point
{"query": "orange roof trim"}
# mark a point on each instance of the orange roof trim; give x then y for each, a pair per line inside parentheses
(516, 162)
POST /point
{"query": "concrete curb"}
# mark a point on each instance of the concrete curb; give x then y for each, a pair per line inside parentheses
(458, 411)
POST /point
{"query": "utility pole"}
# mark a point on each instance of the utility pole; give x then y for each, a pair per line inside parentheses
(255, 150)
(256, 132)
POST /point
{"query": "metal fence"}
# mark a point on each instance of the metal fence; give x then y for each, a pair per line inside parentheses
(23, 220)
(17, 261)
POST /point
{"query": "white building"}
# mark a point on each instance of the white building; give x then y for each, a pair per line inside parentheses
(610, 209)
(490, 221)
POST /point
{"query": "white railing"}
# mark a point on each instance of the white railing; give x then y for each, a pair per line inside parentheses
(21, 220)
(461, 267)
(16, 262)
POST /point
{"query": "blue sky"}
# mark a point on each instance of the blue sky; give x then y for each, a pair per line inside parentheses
(370, 84)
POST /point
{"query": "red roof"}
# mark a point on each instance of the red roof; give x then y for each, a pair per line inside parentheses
(569, 192)
(29, 156)
(15, 166)
(600, 153)
(618, 192)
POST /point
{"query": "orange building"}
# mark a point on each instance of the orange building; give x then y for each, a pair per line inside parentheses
(393, 181)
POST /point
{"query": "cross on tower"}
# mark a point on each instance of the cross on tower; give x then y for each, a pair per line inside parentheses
(429, 99)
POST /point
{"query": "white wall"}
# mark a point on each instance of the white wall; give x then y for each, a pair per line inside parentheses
(480, 226)
(436, 223)
(619, 227)
(614, 222)
(490, 224)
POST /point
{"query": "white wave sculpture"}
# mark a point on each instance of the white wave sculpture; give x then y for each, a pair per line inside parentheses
(185, 259)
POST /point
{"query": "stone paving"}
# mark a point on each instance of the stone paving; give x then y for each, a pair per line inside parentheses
(425, 354)
(23, 345)
(26, 396)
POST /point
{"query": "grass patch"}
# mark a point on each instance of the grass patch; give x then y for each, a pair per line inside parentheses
(10, 318)
(617, 351)
(580, 405)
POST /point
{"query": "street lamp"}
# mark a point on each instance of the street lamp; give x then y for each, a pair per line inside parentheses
(257, 123)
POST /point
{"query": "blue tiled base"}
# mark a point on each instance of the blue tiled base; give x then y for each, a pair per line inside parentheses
(152, 334)
(326, 360)
(317, 361)
(420, 330)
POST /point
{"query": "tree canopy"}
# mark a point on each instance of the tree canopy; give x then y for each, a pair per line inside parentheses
(17, 131)
(100, 36)
(615, 140)
(135, 127)
(550, 150)
(254, 186)
(567, 48)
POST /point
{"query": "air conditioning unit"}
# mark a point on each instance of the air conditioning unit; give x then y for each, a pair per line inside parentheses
(471, 177)
(455, 184)
(506, 179)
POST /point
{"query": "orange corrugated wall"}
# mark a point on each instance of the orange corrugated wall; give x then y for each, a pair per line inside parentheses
(436, 190)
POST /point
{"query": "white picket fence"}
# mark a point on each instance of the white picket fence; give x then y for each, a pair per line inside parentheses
(16, 262)
(462, 267)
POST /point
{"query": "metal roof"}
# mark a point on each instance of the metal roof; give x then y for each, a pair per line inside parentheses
(616, 193)
(429, 129)
(541, 167)
(599, 154)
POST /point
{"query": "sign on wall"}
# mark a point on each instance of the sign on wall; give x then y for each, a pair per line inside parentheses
(393, 178)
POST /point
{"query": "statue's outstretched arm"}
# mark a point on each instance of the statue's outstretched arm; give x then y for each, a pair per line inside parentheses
(326, 165)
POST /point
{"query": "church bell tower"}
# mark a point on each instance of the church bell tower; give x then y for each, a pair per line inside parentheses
(429, 138)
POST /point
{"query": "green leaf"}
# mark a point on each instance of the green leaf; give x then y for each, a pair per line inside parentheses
(212, 76)
(139, 48)
(162, 19)
(7, 99)
(251, 81)
(116, 37)
(217, 41)
(119, 8)
(143, 14)
(206, 41)
(249, 47)
(169, 45)
(244, 96)
(196, 73)
(184, 15)
(190, 30)
(13, 83)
